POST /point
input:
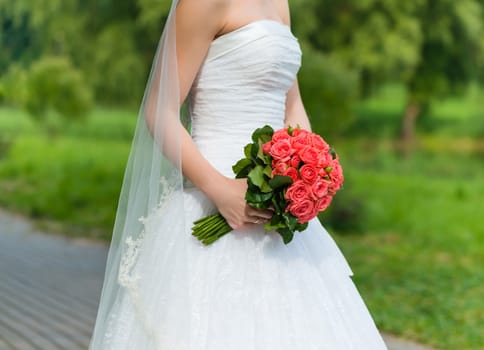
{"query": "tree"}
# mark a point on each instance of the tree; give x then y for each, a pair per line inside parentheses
(51, 25)
(17, 42)
(452, 33)
(433, 46)
(54, 85)
(329, 91)
(364, 43)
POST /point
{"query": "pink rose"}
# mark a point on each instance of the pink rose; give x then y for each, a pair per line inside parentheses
(310, 155)
(300, 132)
(323, 203)
(303, 210)
(279, 168)
(281, 150)
(325, 161)
(308, 173)
(336, 176)
(300, 141)
(320, 189)
(298, 191)
(292, 173)
(266, 147)
(318, 142)
(295, 160)
(280, 135)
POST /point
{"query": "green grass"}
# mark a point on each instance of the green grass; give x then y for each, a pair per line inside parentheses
(458, 116)
(411, 227)
(70, 182)
(419, 264)
(419, 250)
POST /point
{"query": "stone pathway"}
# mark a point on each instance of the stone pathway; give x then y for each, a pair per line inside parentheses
(49, 290)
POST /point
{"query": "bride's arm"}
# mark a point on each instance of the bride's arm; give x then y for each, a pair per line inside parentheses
(197, 23)
(295, 111)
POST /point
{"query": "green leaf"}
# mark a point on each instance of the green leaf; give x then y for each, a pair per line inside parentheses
(276, 205)
(301, 227)
(265, 187)
(256, 176)
(254, 151)
(268, 171)
(275, 223)
(286, 234)
(290, 220)
(332, 152)
(279, 181)
(258, 205)
(244, 172)
(261, 155)
(265, 134)
(258, 197)
(248, 150)
(241, 164)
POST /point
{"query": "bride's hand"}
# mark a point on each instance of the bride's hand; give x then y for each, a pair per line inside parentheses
(230, 201)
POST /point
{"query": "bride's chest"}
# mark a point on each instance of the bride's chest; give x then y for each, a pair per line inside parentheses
(263, 54)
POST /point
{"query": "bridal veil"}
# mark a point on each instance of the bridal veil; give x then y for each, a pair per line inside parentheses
(152, 191)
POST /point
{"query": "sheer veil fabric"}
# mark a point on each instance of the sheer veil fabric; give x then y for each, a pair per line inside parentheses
(153, 178)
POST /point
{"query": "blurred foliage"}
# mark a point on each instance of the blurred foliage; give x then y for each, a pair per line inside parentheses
(434, 43)
(57, 180)
(347, 212)
(378, 39)
(434, 47)
(351, 48)
(329, 92)
(153, 14)
(53, 84)
(54, 181)
(14, 83)
(42, 27)
(116, 70)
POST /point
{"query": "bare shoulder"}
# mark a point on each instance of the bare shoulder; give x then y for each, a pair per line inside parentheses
(201, 8)
(201, 15)
(283, 10)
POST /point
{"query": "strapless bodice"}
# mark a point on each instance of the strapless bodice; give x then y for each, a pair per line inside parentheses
(242, 85)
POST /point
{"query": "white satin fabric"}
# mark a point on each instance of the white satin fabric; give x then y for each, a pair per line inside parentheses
(248, 291)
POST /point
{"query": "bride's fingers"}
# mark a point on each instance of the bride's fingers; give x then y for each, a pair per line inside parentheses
(262, 213)
(233, 225)
(257, 220)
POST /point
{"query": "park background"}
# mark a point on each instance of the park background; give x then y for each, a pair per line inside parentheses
(395, 86)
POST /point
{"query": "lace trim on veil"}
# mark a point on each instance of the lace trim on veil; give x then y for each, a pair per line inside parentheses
(129, 278)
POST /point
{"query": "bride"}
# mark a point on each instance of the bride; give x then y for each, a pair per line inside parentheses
(223, 68)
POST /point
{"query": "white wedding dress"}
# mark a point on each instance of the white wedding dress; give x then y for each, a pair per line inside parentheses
(248, 291)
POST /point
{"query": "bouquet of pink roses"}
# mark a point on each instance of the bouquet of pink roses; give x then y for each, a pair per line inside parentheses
(291, 170)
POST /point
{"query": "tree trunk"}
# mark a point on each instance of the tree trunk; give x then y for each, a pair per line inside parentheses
(412, 111)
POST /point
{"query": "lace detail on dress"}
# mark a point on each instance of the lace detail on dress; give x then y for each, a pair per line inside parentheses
(128, 277)
(128, 261)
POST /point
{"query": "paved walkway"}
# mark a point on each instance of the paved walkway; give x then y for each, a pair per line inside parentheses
(49, 289)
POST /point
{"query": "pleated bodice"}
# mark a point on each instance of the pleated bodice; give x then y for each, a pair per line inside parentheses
(242, 85)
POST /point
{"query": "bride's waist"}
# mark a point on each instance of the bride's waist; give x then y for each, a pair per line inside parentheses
(222, 156)
(222, 142)
(226, 130)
